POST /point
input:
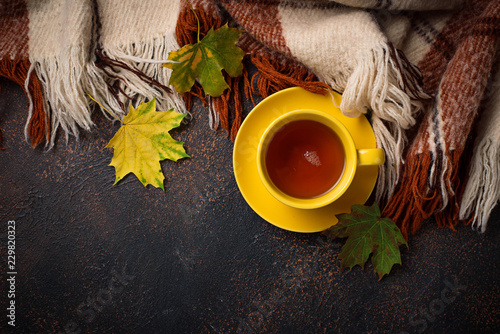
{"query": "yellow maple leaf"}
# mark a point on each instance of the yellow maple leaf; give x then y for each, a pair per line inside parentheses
(143, 141)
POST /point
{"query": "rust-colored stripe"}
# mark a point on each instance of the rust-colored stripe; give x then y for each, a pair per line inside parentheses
(14, 63)
(17, 71)
(261, 20)
(461, 81)
(466, 77)
(14, 29)
(435, 61)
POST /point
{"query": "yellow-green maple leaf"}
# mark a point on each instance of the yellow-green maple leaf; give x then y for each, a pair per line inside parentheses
(143, 141)
(205, 60)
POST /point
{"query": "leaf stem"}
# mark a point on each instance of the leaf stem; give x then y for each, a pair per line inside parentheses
(109, 112)
(197, 20)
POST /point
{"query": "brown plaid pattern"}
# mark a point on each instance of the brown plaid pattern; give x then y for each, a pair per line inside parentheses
(421, 70)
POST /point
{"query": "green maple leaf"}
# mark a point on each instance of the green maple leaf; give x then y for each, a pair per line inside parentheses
(143, 141)
(367, 232)
(205, 60)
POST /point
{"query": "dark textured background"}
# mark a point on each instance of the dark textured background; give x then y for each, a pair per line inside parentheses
(97, 258)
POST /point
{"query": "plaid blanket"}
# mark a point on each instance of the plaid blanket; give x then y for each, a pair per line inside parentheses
(424, 72)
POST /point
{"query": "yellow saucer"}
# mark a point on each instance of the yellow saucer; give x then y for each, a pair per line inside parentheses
(245, 161)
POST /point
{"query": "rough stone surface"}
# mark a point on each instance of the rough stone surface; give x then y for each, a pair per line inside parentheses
(100, 258)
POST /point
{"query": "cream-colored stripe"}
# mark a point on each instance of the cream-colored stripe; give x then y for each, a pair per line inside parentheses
(329, 41)
(482, 191)
(140, 34)
(59, 39)
(125, 22)
(57, 25)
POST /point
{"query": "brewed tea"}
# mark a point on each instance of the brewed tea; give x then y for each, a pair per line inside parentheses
(305, 159)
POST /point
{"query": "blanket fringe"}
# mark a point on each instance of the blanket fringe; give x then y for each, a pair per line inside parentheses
(186, 29)
(225, 110)
(186, 32)
(62, 79)
(449, 216)
(128, 73)
(273, 75)
(386, 83)
(406, 207)
(418, 196)
(37, 128)
(483, 188)
(446, 206)
(274, 72)
(482, 191)
(134, 74)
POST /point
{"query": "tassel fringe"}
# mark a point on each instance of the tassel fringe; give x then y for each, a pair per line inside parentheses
(406, 207)
(483, 188)
(417, 197)
(134, 73)
(388, 84)
(37, 127)
(62, 80)
(274, 73)
(482, 191)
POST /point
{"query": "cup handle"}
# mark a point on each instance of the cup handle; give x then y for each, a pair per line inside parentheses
(371, 157)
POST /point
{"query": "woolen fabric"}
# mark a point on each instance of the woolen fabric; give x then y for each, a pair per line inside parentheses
(425, 73)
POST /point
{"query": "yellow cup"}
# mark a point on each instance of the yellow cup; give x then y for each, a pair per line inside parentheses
(353, 158)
